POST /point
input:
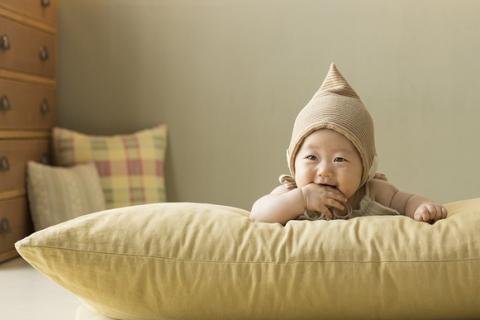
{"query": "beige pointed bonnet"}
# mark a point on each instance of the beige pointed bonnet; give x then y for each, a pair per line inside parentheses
(336, 106)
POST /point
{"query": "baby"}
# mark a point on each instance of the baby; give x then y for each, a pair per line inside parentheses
(333, 162)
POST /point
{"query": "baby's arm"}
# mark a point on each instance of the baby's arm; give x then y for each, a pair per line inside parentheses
(281, 205)
(411, 205)
(287, 202)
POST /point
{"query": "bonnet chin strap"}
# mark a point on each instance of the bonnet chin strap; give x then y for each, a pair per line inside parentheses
(373, 168)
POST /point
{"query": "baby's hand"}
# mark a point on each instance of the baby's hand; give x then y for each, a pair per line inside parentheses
(430, 212)
(319, 198)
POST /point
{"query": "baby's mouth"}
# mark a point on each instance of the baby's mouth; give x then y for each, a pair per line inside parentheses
(327, 185)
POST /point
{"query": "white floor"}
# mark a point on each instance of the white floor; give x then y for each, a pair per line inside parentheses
(25, 294)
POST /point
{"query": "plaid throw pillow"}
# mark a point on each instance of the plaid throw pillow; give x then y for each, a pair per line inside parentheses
(130, 167)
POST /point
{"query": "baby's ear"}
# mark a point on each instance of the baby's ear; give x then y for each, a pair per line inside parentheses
(286, 179)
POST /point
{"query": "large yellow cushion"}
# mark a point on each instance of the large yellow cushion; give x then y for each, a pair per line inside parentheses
(202, 261)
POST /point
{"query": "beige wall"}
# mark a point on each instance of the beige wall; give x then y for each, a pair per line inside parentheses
(229, 76)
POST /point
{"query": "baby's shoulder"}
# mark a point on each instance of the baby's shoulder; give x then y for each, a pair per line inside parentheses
(381, 191)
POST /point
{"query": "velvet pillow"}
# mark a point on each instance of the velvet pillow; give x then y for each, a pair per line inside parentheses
(59, 194)
(203, 261)
(131, 167)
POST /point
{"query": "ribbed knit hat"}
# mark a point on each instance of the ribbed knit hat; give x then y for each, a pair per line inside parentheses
(336, 106)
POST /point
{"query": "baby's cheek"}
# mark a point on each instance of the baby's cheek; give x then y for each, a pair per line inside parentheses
(300, 182)
(301, 179)
(348, 193)
(351, 187)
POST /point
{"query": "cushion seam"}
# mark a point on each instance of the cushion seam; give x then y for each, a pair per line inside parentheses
(257, 262)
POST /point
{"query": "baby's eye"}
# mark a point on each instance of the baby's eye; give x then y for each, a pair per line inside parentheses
(340, 159)
(311, 157)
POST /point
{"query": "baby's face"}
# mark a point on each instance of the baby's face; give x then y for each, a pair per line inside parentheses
(327, 157)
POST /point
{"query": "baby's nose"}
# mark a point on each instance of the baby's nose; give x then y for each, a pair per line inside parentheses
(324, 169)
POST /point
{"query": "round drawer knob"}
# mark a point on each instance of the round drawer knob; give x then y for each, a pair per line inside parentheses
(5, 226)
(4, 165)
(44, 107)
(4, 104)
(43, 53)
(4, 42)
(45, 3)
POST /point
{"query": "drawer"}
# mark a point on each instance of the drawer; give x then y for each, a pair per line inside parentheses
(26, 105)
(15, 224)
(40, 10)
(14, 155)
(26, 49)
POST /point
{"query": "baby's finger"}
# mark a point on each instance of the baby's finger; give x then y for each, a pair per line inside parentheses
(435, 211)
(337, 194)
(444, 212)
(439, 212)
(335, 203)
(424, 214)
(327, 214)
(419, 213)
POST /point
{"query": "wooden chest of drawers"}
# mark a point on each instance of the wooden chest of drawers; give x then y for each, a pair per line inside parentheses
(27, 107)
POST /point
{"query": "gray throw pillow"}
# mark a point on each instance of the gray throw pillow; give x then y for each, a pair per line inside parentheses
(57, 194)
